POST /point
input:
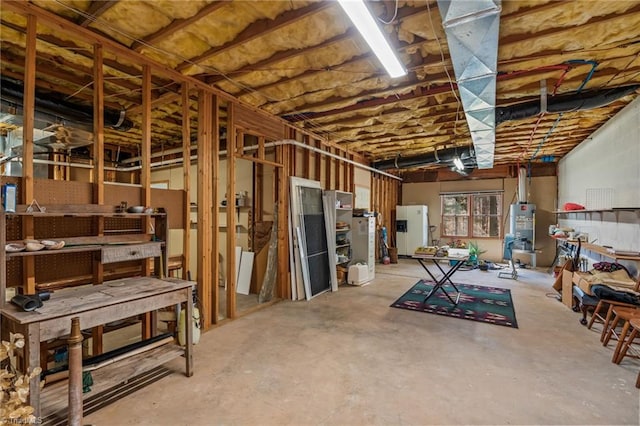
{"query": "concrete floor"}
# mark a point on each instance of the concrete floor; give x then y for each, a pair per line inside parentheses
(347, 358)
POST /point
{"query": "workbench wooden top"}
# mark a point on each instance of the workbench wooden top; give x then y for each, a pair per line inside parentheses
(73, 301)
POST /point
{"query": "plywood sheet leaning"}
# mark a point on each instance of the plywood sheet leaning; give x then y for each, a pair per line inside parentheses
(268, 283)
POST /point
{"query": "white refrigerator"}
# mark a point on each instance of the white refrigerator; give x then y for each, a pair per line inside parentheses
(412, 229)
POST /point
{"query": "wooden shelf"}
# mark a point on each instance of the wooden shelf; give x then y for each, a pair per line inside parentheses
(78, 249)
(54, 398)
(59, 251)
(611, 210)
(600, 250)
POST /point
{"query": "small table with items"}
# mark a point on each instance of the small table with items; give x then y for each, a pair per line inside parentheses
(454, 264)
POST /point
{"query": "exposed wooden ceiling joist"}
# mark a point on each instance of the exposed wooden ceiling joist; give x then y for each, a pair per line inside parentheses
(177, 25)
(258, 29)
(96, 9)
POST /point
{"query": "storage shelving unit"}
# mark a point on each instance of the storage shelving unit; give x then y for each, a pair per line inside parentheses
(339, 213)
(126, 237)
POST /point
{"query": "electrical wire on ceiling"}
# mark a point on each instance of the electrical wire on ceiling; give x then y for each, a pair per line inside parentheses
(393, 18)
(594, 65)
(182, 58)
(566, 68)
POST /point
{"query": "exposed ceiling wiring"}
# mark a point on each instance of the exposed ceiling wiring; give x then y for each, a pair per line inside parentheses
(395, 14)
(586, 80)
(173, 54)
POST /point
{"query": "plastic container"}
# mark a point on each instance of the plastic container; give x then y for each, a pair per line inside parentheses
(196, 327)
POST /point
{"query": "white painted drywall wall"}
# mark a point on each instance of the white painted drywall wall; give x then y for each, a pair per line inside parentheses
(606, 162)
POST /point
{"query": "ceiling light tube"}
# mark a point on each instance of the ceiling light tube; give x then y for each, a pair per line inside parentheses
(370, 31)
(458, 163)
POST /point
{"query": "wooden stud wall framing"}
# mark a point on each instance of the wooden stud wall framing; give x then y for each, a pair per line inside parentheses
(205, 235)
(335, 174)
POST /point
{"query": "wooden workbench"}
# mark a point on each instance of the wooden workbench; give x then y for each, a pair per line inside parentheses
(98, 305)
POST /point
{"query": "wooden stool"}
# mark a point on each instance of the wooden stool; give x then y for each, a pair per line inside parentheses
(621, 314)
(634, 323)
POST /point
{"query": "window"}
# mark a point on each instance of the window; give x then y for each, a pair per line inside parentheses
(476, 215)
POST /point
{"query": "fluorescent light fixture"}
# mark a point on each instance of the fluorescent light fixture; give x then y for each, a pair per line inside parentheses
(458, 163)
(366, 24)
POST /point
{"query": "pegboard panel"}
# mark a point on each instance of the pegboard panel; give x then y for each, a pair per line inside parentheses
(63, 227)
(14, 272)
(14, 228)
(123, 225)
(55, 267)
(48, 191)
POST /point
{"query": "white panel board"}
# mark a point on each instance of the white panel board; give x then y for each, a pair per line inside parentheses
(244, 276)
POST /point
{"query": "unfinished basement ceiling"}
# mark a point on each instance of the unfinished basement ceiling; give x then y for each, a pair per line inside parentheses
(302, 60)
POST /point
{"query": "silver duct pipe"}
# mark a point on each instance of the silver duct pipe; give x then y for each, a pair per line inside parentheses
(472, 30)
(522, 185)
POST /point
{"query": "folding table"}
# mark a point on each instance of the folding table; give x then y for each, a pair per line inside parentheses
(454, 264)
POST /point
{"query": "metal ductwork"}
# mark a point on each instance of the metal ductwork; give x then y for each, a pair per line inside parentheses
(564, 103)
(54, 105)
(472, 29)
(442, 157)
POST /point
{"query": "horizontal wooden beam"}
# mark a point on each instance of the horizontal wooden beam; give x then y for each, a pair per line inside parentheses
(178, 24)
(96, 9)
(258, 29)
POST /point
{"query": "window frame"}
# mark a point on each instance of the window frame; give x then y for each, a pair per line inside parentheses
(470, 214)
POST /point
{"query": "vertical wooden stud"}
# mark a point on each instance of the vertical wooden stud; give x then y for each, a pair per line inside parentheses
(213, 293)
(231, 210)
(205, 207)
(327, 170)
(318, 161)
(98, 174)
(306, 163)
(338, 184)
(186, 179)
(3, 257)
(284, 287)
(145, 176)
(28, 230)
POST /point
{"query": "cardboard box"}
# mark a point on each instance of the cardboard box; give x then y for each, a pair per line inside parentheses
(567, 288)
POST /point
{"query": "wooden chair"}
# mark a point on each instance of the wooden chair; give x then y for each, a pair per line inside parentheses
(608, 305)
(634, 324)
(624, 314)
(602, 305)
